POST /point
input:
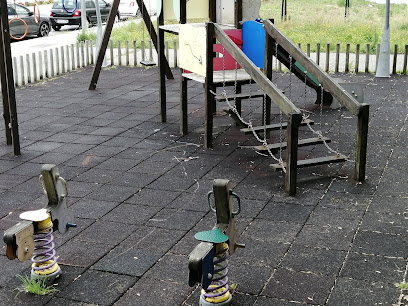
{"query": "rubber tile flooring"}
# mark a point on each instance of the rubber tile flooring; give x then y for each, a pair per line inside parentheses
(138, 190)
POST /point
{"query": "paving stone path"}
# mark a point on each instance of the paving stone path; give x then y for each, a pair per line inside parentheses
(138, 192)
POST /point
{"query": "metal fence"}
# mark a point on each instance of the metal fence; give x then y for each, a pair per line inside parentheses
(53, 62)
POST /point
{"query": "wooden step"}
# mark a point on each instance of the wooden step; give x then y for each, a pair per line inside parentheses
(257, 94)
(314, 162)
(274, 127)
(302, 143)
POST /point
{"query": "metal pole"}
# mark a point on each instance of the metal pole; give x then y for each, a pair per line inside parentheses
(383, 67)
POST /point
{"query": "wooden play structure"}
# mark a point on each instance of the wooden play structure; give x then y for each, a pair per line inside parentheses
(221, 53)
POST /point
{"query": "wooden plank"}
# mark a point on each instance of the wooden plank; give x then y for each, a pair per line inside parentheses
(266, 85)
(337, 91)
(301, 143)
(219, 77)
(314, 162)
(361, 143)
(242, 96)
(274, 127)
(292, 153)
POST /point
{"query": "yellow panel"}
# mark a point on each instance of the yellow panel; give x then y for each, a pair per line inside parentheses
(192, 48)
(195, 9)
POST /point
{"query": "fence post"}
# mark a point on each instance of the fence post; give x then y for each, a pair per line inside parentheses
(142, 46)
(57, 62)
(28, 69)
(87, 53)
(175, 53)
(134, 53)
(127, 53)
(83, 54)
(52, 62)
(22, 70)
(404, 68)
(327, 57)
(357, 57)
(40, 64)
(318, 54)
(308, 50)
(34, 59)
(46, 63)
(336, 68)
(15, 72)
(346, 68)
(112, 59)
(150, 51)
(394, 64)
(62, 60)
(91, 43)
(377, 55)
(367, 60)
(119, 54)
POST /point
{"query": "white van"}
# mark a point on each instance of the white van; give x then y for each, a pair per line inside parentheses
(129, 8)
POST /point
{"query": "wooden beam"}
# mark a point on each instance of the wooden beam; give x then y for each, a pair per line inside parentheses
(104, 44)
(209, 87)
(292, 153)
(361, 143)
(266, 85)
(335, 89)
(8, 67)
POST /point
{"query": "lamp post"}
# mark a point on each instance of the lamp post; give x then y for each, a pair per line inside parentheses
(383, 66)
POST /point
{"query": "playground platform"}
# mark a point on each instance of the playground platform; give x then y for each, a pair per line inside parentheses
(138, 190)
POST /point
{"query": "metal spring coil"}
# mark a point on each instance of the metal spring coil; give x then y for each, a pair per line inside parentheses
(219, 286)
(44, 254)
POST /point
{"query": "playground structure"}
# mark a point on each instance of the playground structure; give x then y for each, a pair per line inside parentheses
(201, 63)
(33, 236)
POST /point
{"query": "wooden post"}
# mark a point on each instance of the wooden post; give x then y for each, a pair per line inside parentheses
(183, 106)
(361, 143)
(8, 81)
(308, 50)
(209, 86)
(367, 61)
(318, 54)
(327, 57)
(357, 58)
(162, 71)
(404, 68)
(336, 66)
(134, 53)
(119, 54)
(346, 68)
(269, 48)
(291, 152)
(394, 63)
(127, 52)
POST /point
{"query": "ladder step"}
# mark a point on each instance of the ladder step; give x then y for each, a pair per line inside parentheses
(274, 127)
(302, 143)
(257, 94)
(314, 162)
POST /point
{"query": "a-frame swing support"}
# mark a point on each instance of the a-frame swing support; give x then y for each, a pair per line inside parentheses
(7, 82)
(107, 34)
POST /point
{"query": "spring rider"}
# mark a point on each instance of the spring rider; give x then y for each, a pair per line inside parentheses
(33, 236)
(208, 262)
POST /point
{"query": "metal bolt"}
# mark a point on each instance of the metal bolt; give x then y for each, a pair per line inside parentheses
(209, 276)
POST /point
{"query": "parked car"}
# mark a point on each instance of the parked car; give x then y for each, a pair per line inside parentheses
(71, 14)
(130, 9)
(36, 25)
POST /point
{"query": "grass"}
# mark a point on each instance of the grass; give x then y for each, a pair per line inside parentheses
(38, 286)
(402, 286)
(314, 21)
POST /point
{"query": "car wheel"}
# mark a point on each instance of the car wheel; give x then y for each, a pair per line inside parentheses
(44, 29)
(56, 28)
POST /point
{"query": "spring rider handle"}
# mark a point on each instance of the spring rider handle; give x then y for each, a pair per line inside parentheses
(55, 188)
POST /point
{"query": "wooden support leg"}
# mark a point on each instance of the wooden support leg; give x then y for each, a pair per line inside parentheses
(4, 91)
(162, 73)
(209, 87)
(291, 151)
(183, 106)
(361, 143)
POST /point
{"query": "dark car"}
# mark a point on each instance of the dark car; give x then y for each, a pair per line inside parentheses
(68, 12)
(23, 22)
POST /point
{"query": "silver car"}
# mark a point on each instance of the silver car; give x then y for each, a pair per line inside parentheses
(23, 22)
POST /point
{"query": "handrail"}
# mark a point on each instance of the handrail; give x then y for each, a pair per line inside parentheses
(266, 85)
(328, 83)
